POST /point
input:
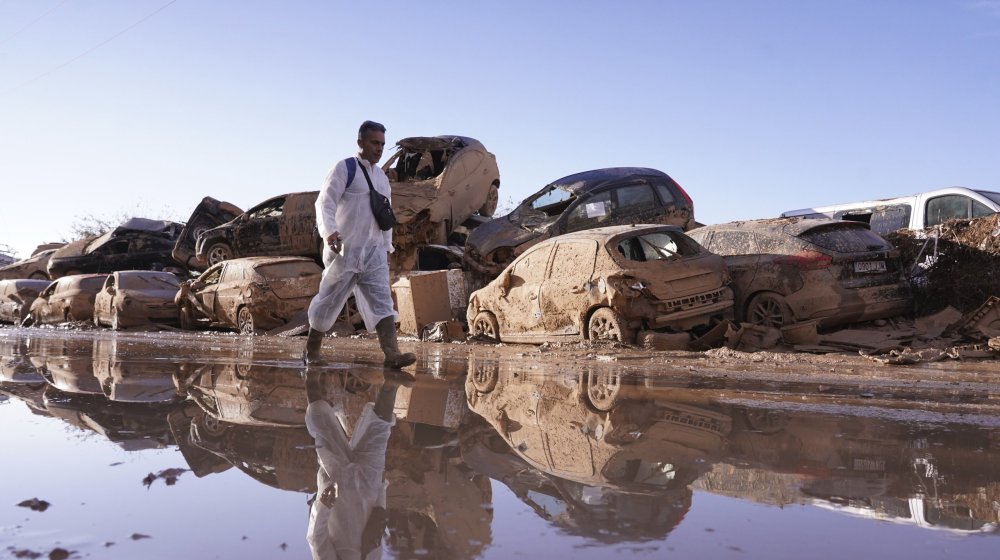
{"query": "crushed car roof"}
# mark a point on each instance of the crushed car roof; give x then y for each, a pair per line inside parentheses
(437, 142)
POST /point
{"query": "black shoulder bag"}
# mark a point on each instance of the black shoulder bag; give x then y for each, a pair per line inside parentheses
(380, 204)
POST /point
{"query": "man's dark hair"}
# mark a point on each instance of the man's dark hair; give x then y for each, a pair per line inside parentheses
(370, 125)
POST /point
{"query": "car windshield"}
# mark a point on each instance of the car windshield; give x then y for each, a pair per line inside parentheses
(658, 246)
(846, 239)
(994, 196)
(540, 210)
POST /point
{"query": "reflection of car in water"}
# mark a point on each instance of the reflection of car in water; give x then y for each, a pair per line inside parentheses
(132, 426)
(604, 283)
(138, 378)
(623, 468)
(252, 294)
(591, 199)
(15, 362)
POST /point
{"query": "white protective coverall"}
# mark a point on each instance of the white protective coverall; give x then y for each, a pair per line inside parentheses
(363, 263)
(355, 466)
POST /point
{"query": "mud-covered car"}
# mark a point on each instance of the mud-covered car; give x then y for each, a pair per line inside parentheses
(16, 297)
(34, 267)
(138, 244)
(70, 298)
(437, 184)
(282, 225)
(208, 214)
(591, 199)
(788, 270)
(251, 294)
(604, 283)
(132, 298)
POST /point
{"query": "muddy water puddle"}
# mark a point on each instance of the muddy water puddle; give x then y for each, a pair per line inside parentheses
(174, 445)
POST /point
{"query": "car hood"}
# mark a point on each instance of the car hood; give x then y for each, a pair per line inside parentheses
(500, 232)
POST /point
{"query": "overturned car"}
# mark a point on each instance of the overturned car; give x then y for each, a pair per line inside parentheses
(604, 283)
(591, 199)
(251, 294)
(208, 214)
(138, 244)
(438, 183)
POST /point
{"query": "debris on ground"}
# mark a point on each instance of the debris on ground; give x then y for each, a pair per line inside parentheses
(956, 263)
(35, 504)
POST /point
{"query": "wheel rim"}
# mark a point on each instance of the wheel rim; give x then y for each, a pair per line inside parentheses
(767, 312)
(217, 254)
(492, 200)
(245, 321)
(603, 389)
(486, 326)
(604, 328)
(484, 378)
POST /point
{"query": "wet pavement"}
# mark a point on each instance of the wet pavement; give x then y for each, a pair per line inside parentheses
(181, 445)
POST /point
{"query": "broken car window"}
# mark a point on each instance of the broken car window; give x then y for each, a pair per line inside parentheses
(270, 209)
(656, 247)
(553, 201)
(855, 239)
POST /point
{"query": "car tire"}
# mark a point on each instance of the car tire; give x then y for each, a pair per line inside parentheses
(218, 252)
(770, 310)
(489, 207)
(486, 324)
(607, 324)
(485, 376)
(603, 389)
(244, 321)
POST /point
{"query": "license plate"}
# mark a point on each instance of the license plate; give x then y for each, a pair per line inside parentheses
(870, 266)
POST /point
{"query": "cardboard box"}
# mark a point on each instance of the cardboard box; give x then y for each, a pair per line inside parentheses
(422, 298)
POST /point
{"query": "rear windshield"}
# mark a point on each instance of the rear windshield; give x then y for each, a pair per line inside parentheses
(92, 283)
(658, 246)
(846, 239)
(994, 196)
(287, 270)
(143, 281)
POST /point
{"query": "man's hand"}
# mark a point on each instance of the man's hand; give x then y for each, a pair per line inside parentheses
(333, 241)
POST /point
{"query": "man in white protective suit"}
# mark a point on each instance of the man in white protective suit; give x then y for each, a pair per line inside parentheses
(355, 251)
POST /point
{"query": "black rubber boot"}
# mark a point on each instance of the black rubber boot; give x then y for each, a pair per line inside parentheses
(313, 355)
(386, 330)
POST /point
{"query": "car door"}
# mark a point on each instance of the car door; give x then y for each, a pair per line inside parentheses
(520, 310)
(104, 300)
(563, 295)
(259, 233)
(742, 252)
(231, 287)
(205, 290)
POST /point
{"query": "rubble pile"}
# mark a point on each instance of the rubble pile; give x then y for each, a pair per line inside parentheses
(965, 259)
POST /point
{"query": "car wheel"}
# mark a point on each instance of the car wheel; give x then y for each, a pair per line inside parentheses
(219, 252)
(244, 320)
(211, 426)
(485, 376)
(607, 324)
(492, 200)
(486, 324)
(769, 309)
(38, 275)
(603, 390)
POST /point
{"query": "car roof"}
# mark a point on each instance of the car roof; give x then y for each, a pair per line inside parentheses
(790, 226)
(589, 180)
(604, 233)
(438, 142)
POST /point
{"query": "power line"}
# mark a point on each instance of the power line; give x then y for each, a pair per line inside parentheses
(88, 51)
(33, 22)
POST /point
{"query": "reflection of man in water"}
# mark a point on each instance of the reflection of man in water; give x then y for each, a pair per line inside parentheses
(348, 516)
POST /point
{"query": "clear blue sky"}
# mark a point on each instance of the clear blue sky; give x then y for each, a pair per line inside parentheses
(755, 107)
